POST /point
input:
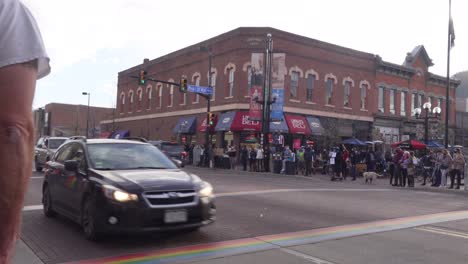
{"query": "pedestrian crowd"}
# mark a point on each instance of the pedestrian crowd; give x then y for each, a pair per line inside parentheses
(436, 167)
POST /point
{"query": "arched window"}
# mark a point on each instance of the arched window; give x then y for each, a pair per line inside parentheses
(196, 81)
(140, 98)
(130, 98)
(149, 96)
(160, 93)
(122, 102)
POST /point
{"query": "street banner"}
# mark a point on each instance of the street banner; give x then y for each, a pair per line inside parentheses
(256, 89)
(296, 143)
(278, 73)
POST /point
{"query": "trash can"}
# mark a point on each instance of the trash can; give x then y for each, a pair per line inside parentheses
(277, 166)
(290, 168)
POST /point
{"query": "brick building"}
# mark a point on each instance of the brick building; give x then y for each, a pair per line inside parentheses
(345, 92)
(57, 119)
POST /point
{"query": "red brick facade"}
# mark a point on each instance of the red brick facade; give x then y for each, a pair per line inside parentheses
(152, 111)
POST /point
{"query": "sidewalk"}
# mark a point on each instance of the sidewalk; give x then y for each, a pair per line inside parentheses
(24, 255)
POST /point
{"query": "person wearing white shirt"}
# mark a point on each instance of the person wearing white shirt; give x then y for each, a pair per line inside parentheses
(23, 60)
(259, 159)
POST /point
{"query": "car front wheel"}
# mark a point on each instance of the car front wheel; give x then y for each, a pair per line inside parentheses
(47, 203)
(88, 220)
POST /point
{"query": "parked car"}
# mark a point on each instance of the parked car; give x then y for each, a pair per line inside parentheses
(173, 150)
(45, 149)
(124, 186)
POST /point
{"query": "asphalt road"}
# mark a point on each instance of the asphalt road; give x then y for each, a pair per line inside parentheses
(257, 204)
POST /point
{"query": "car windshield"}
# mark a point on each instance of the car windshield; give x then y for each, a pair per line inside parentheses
(172, 148)
(55, 143)
(127, 156)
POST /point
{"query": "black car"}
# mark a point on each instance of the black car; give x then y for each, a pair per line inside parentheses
(117, 185)
(172, 149)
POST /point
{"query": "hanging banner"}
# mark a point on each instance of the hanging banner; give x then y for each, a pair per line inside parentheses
(296, 143)
(256, 89)
(278, 72)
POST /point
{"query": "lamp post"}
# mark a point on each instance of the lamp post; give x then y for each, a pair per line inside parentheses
(87, 115)
(208, 99)
(428, 114)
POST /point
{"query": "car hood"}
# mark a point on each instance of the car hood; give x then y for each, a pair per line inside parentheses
(148, 179)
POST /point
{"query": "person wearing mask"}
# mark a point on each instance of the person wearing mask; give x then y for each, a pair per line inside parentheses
(458, 167)
(244, 155)
(445, 164)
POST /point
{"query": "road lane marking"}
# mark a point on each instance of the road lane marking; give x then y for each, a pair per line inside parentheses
(443, 231)
(229, 194)
(305, 256)
(32, 207)
(278, 241)
(37, 177)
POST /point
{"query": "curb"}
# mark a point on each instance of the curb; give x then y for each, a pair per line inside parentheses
(24, 254)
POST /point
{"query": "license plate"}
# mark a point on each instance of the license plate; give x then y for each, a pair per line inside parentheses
(175, 216)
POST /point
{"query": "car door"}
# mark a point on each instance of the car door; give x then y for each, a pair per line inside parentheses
(55, 179)
(76, 181)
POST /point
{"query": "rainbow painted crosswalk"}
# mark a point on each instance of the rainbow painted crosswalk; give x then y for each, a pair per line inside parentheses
(242, 246)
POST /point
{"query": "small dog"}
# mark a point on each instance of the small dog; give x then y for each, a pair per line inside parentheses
(370, 176)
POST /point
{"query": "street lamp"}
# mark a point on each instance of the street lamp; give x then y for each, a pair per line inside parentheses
(87, 115)
(434, 114)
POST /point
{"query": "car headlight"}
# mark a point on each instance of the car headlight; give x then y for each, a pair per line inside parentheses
(206, 190)
(116, 194)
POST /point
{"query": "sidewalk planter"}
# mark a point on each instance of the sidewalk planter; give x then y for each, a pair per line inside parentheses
(290, 168)
(277, 166)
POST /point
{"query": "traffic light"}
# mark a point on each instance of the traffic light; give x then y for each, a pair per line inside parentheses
(211, 119)
(183, 85)
(142, 77)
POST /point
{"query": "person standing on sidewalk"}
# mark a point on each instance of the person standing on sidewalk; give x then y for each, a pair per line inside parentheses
(427, 163)
(266, 159)
(405, 161)
(397, 166)
(244, 156)
(411, 169)
(253, 159)
(23, 60)
(259, 158)
(444, 168)
(232, 156)
(308, 160)
(458, 167)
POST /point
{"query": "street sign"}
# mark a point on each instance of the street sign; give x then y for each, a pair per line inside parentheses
(200, 89)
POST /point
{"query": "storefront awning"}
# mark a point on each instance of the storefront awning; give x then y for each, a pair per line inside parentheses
(224, 121)
(279, 126)
(237, 121)
(297, 124)
(315, 126)
(242, 122)
(185, 125)
(120, 134)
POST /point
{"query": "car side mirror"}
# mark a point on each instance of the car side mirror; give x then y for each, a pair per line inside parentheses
(178, 163)
(71, 165)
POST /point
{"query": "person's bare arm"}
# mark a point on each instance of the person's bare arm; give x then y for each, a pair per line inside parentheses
(17, 85)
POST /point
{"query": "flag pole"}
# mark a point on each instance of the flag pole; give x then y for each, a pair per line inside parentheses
(447, 95)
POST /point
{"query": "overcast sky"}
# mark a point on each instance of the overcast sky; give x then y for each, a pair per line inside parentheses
(90, 41)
